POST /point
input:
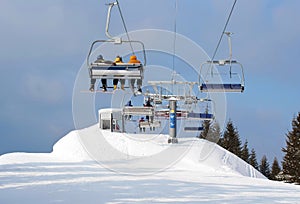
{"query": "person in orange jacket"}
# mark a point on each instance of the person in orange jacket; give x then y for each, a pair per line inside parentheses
(133, 60)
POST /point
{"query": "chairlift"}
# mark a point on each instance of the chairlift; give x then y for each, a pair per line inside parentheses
(107, 70)
(200, 116)
(104, 70)
(193, 129)
(211, 82)
(193, 117)
(181, 91)
(196, 117)
(208, 114)
(207, 82)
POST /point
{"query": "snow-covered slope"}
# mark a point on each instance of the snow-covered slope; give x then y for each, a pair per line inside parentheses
(94, 166)
(69, 148)
(195, 154)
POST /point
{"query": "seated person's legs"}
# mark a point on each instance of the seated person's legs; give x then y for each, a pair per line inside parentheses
(139, 85)
(132, 81)
(115, 83)
(122, 84)
(92, 87)
(104, 84)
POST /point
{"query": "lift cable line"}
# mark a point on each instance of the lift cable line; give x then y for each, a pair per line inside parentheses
(224, 29)
(232, 84)
(174, 41)
(125, 28)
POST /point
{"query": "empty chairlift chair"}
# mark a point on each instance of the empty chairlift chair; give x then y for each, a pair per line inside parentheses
(193, 129)
(210, 81)
(197, 116)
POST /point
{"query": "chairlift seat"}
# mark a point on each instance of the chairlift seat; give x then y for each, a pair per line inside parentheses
(118, 71)
(200, 116)
(222, 62)
(148, 124)
(193, 129)
(134, 110)
(222, 87)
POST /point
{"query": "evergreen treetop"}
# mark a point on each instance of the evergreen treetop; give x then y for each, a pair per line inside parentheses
(231, 140)
(253, 160)
(264, 167)
(245, 152)
(291, 159)
(206, 127)
(275, 170)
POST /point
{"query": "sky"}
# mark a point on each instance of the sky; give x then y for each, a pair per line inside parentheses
(44, 44)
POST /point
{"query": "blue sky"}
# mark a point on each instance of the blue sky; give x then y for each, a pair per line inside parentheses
(44, 43)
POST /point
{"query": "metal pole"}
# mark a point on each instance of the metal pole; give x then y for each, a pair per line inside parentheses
(172, 121)
(123, 123)
(110, 6)
(111, 122)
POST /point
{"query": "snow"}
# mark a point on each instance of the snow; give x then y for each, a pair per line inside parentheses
(97, 166)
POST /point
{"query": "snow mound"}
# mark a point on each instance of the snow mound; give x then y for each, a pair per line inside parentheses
(138, 145)
(138, 152)
(198, 154)
(22, 157)
(69, 148)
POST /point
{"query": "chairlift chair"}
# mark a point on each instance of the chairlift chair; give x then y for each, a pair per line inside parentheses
(104, 70)
(113, 70)
(197, 116)
(207, 84)
(200, 116)
(193, 129)
(206, 80)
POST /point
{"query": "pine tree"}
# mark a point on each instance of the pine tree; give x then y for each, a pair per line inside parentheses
(221, 142)
(206, 127)
(231, 140)
(275, 170)
(264, 167)
(252, 159)
(245, 152)
(214, 133)
(291, 159)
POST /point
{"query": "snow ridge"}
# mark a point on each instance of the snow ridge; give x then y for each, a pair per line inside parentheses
(200, 155)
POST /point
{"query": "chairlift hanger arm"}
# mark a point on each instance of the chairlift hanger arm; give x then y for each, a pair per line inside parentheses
(110, 6)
